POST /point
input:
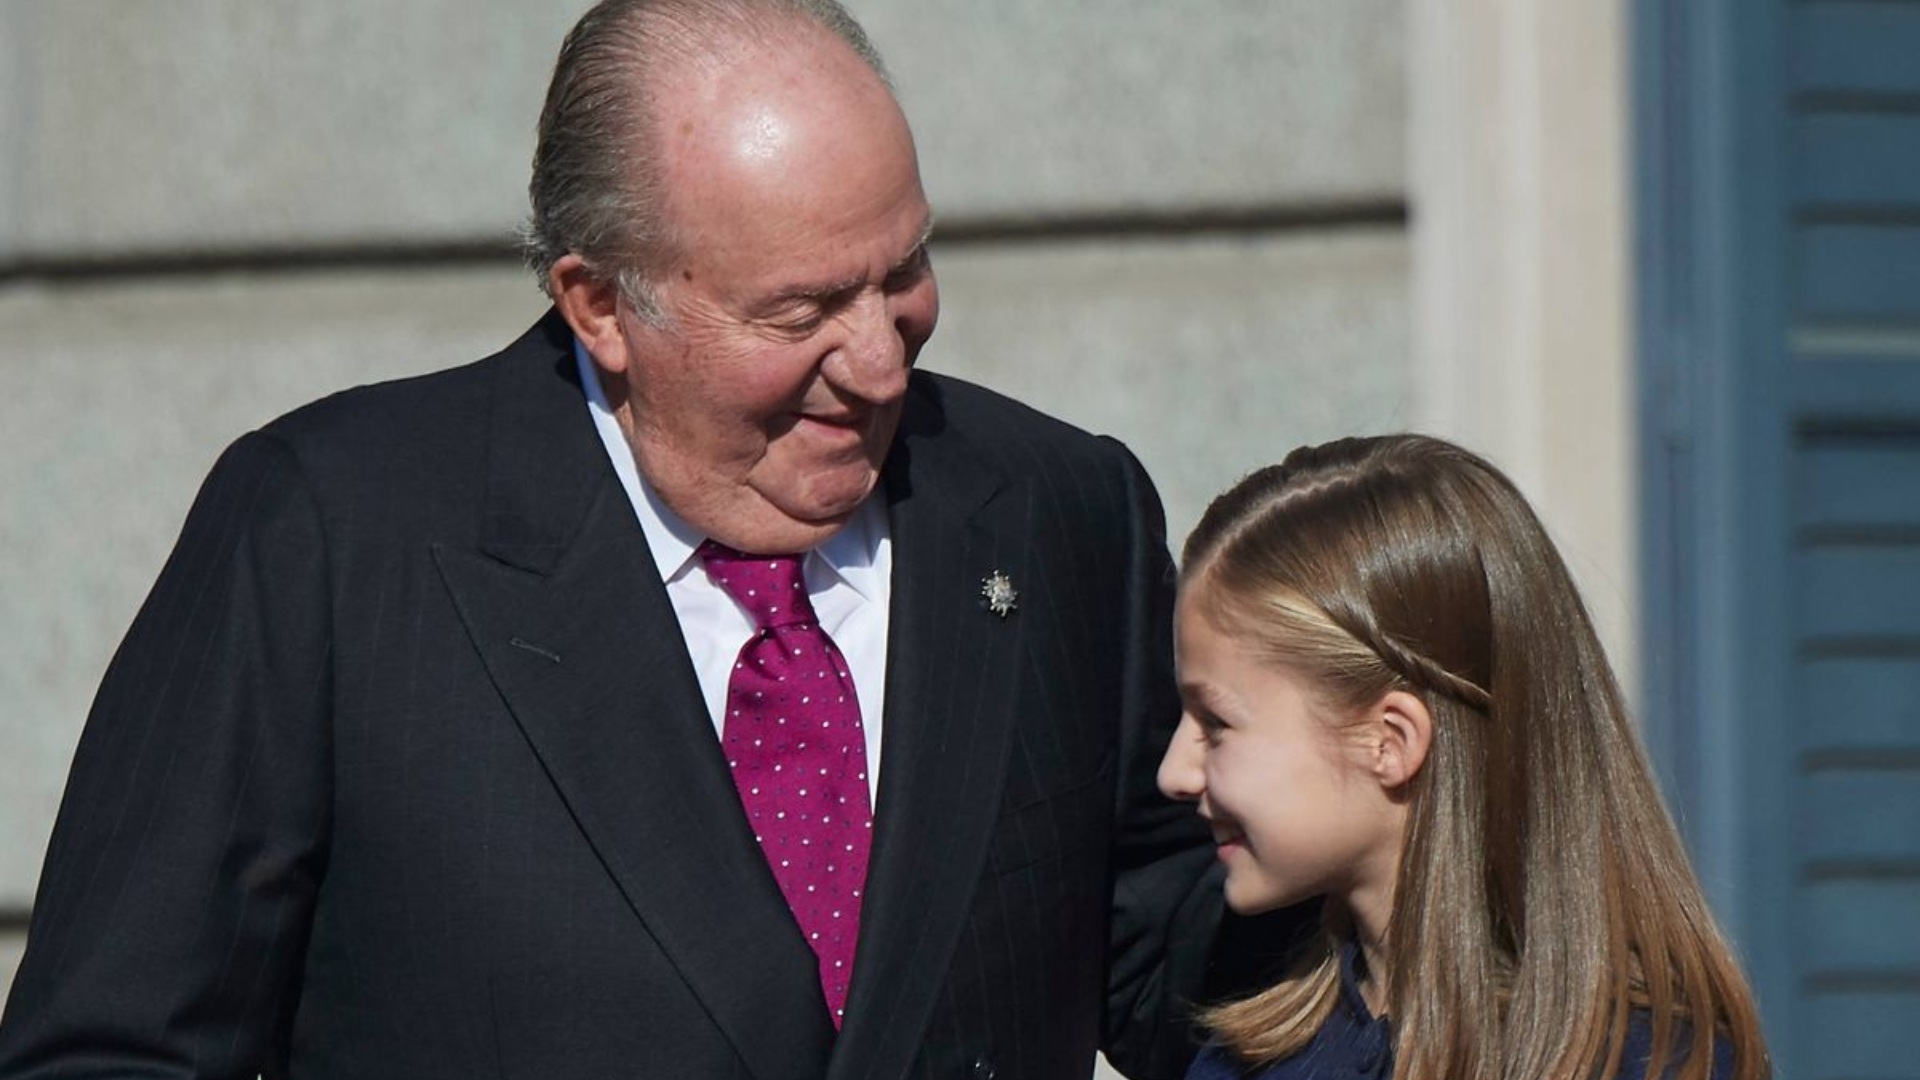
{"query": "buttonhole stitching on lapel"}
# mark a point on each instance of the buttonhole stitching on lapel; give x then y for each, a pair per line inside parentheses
(537, 650)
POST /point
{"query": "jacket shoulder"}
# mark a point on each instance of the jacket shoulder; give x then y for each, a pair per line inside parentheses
(436, 397)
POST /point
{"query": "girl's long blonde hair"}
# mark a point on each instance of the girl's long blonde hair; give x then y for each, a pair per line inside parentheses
(1543, 892)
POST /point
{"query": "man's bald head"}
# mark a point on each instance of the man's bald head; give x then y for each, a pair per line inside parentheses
(599, 169)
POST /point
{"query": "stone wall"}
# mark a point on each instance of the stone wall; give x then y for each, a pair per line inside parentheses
(1183, 225)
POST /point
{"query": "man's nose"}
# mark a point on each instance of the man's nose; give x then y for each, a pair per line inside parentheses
(871, 360)
(1182, 773)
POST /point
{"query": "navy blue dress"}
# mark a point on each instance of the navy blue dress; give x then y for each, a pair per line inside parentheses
(1356, 1045)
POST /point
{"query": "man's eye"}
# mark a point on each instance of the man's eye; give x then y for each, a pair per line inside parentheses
(1211, 728)
(798, 323)
(909, 273)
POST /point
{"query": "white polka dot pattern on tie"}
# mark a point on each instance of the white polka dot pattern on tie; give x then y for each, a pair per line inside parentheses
(812, 821)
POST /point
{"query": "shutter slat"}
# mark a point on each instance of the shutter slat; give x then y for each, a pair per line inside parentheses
(1857, 160)
(1857, 592)
(1858, 703)
(1859, 818)
(1861, 1035)
(1868, 272)
(1862, 927)
(1860, 482)
(1859, 48)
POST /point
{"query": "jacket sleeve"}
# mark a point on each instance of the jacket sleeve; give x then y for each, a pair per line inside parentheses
(1173, 945)
(1166, 899)
(174, 905)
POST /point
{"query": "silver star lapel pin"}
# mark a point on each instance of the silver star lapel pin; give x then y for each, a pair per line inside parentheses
(1000, 595)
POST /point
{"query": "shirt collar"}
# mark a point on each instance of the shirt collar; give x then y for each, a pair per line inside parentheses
(1353, 972)
(850, 554)
(1369, 1038)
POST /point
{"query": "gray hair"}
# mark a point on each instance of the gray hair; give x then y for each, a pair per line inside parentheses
(597, 173)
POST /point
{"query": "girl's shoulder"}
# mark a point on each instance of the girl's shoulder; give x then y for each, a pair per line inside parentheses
(1351, 1042)
(1215, 1063)
(1218, 1063)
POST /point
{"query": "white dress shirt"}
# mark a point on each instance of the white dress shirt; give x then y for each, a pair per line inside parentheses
(849, 579)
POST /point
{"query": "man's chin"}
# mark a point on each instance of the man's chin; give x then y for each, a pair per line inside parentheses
(828, 514)
(780, 527)
(829, 496)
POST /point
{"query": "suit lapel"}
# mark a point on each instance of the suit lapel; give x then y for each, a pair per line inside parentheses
(952, 666)
(566, 607)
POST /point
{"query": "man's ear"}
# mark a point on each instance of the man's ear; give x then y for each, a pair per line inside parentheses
(1402, 731)
(591, 305)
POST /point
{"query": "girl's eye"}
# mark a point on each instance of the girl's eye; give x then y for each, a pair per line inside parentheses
(1211, 728)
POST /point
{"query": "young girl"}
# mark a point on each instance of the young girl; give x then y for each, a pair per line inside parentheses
(1395, 702)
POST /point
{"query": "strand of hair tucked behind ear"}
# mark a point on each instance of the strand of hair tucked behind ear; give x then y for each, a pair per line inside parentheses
(1425, 673)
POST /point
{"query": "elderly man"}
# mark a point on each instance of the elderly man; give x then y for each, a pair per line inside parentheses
(692, 689)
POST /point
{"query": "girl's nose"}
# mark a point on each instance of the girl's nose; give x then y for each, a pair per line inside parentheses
(1182, 775)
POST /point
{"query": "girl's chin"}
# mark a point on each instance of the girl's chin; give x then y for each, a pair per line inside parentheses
(1248, 892)
(1253, 899)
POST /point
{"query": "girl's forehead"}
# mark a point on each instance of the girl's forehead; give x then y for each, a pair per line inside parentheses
(1199, 599)
(1200, 634)
(1219, 663)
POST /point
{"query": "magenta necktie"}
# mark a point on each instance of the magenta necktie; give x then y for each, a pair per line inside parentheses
(793, 739)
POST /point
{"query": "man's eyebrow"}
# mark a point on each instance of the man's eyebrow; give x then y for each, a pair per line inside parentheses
(835, 288)
(816, 293)
(919, 246)
(828, 291)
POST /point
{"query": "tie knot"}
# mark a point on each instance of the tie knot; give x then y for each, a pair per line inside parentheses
(771, 587)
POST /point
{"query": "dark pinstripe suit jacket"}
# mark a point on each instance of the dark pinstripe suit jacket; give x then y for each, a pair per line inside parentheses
(403, 771)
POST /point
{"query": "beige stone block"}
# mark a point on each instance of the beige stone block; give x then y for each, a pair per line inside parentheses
(13, 109)
(142, 129)
(1209, 357)
(1034, 107)
(240, 124)
(13, 945)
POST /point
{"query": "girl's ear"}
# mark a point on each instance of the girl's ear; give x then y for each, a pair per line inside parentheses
(1402, 733)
